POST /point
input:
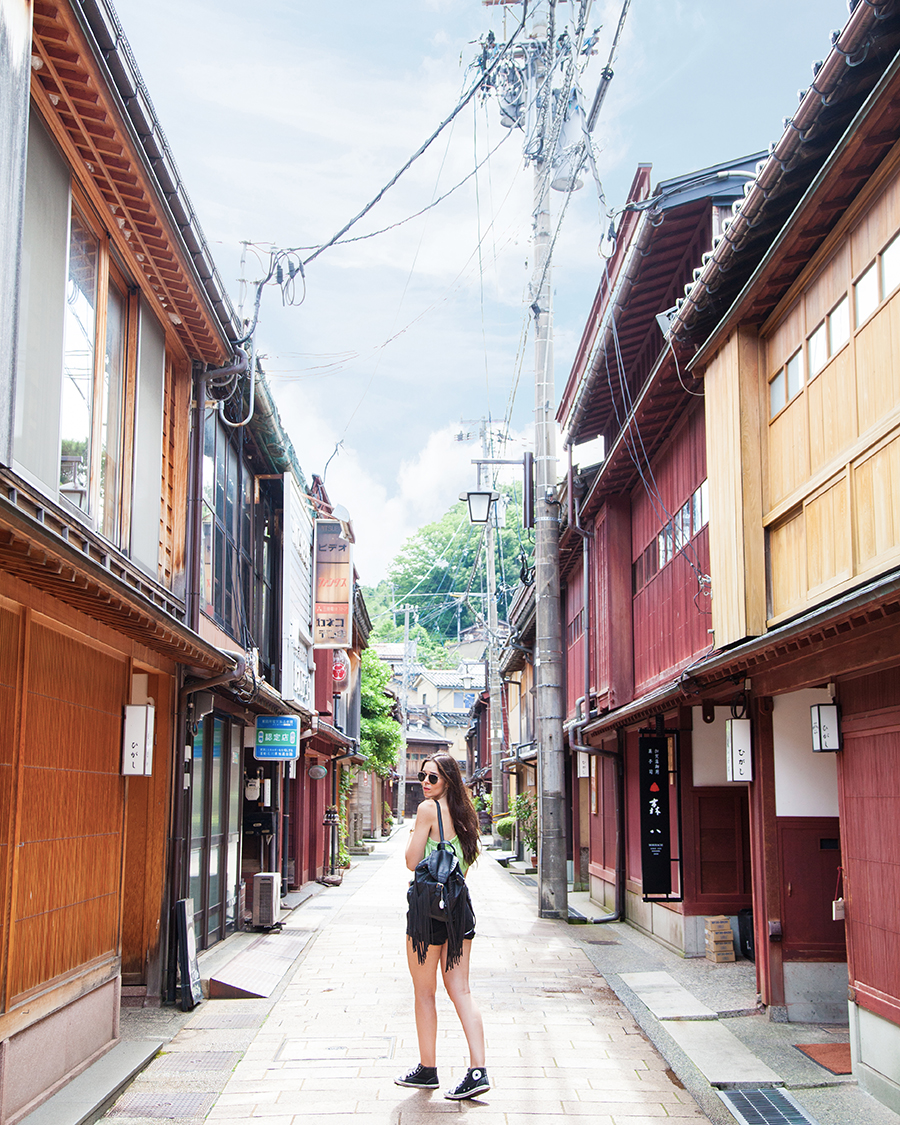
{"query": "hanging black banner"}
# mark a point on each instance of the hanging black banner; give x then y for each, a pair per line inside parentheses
(656, 838)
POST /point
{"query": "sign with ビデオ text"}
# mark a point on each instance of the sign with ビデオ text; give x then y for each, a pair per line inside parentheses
(656, 841)
(333, 586)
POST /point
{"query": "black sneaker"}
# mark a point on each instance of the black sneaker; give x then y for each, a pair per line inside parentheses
(475, 1082)
(422, 1077)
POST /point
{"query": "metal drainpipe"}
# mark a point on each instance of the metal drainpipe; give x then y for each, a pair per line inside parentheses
(575, 731)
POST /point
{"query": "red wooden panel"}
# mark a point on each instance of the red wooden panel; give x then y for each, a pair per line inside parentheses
(809, 878)
(573, 621)
(672, 617)
(600, 607)
(603, 821)
(869, 777)
(722, 842)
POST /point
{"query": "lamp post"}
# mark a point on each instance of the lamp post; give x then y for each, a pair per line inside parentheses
(480, 502)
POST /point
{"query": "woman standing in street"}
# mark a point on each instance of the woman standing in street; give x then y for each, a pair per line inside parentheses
(442, 786)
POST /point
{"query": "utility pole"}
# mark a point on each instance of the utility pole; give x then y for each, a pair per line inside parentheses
(548, 668)
(406, 610)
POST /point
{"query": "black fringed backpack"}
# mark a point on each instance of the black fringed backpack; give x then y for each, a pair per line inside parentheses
(438, 892)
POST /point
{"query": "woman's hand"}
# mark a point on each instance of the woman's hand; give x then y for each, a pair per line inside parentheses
(426, 819)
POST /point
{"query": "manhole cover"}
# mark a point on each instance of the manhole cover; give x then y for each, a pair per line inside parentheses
(765, 1107)
(197, 1060)
(309, 1050)
(164, 1106)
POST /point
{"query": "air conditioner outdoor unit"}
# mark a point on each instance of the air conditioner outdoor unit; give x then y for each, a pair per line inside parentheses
(266, 898)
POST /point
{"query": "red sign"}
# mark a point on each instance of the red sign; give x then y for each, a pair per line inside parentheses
(340, 672)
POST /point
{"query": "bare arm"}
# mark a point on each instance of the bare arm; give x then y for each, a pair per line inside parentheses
(426, 819)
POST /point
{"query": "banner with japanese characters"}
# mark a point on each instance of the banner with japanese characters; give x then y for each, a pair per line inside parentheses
(333, 608)
(656, 837)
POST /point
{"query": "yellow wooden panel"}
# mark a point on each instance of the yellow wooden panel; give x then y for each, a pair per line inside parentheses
(828, 537)
(723, 474)
(876, 375)
(788, 461)
(872, 232)
(787, 563)
(832, 410)
(832, 281)
(877, 508)
(785, 339)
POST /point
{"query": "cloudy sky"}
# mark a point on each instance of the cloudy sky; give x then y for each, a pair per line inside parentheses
(287, 117)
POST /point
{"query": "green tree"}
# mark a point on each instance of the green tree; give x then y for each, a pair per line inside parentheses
(433, 568)
(380, 737)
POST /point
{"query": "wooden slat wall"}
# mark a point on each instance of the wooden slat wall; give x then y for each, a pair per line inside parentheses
(68, 862)
(173, 511)
(869, 780)
(671, 617)
(832, 457)
(574, 604)
(600, 620)
(670, 627)
(9, 659)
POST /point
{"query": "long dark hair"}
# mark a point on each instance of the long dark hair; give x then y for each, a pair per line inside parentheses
(459, 802)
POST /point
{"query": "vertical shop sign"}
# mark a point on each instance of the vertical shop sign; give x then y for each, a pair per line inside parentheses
(656, 839)
(333, 617)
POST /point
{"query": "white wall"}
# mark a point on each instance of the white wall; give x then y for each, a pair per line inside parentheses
(708, 743)
(805, 783)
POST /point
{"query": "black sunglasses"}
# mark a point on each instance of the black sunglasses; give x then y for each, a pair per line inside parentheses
(433, 778)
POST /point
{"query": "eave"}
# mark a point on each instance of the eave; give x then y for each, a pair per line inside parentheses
(120, 157)
(40, 551)
(825, 123)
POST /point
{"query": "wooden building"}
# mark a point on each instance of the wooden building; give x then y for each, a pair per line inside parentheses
(732, 568)
(635, 577)
(115, 300)
(798, 355)
(155, 554)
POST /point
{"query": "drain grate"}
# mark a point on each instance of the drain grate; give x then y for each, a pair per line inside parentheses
(528, 880)
(765, 1107)
(164, 1106)
(177, 1061)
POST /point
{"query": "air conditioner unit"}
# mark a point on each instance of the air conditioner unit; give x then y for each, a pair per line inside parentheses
(266, 898)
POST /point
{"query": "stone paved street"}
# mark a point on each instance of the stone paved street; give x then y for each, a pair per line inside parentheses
(560, 1044)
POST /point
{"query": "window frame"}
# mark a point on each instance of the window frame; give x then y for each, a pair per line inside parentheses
(112, 522)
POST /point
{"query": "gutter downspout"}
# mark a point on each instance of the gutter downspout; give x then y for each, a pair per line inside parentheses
(576, 731)
(178, 820)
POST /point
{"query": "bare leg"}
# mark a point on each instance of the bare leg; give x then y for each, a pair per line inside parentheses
(424, 978)
(456, 981)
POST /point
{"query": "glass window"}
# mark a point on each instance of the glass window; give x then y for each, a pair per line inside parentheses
(818, 350)
(890, 266)
(112, 421)
(865, 293)
(839, 325)
(682, 526)
(700, 508)
(794, 376)
(78, 363)
(777, 397)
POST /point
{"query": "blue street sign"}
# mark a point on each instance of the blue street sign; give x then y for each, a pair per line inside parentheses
(277, 738)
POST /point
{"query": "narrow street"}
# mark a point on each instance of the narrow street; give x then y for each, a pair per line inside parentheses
(340, 1027)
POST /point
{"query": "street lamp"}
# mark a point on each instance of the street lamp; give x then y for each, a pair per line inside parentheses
(479, 505)
(480, 502)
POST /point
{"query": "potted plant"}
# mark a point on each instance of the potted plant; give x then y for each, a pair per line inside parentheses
(524, 809)
(483, 805)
